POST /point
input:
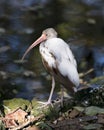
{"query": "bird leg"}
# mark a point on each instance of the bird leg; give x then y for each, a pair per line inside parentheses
(52, 89)
(51, 93)
(62, 95)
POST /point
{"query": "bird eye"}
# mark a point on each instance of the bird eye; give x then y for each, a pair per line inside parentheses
(46, 34)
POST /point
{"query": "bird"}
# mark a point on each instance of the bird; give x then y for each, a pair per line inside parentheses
(58, 60)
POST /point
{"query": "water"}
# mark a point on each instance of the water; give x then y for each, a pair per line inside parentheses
(21, 23)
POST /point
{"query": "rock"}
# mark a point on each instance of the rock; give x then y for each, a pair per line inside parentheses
(12, 104)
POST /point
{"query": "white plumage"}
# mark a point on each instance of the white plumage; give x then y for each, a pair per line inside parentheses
(55, 50)
(58, 60)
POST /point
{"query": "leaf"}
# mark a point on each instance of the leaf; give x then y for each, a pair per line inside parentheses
(92, 127)
(33, 128)
(43, 125)
(12, 118)
(80, 109)
(74, 113)
(101, 118)
(2, 125)
(93, 110)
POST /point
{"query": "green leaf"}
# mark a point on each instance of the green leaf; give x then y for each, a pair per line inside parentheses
(92, 127)
(93, 110)
(78, 108)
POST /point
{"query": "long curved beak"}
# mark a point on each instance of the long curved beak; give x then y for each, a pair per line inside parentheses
(39, 40)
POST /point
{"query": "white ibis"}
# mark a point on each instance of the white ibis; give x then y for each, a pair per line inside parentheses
(58, 60)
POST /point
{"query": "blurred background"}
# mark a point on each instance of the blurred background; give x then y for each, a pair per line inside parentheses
(79, 22)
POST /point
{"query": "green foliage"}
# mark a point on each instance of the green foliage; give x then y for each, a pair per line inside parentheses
(43, 126)
(2, 126)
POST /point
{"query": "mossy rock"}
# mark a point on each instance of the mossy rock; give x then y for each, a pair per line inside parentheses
(49, 111)
(12, 104)
(94, 94)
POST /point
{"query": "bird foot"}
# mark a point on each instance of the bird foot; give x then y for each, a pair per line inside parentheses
(45, 104)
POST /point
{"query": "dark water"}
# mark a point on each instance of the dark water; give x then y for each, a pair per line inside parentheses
(21, 22)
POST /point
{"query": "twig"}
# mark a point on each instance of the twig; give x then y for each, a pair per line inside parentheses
(86, 73)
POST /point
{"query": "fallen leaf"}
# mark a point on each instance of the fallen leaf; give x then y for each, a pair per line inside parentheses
(33, 128)
(101, 118)
(92, 127)
(73, 113)
(17, 116)
(81, 109)
(93, 110)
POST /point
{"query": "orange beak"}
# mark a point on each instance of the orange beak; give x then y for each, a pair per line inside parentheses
(39, 40)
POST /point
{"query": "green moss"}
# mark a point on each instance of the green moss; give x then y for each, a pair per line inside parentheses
(97, 80)
(12, 104)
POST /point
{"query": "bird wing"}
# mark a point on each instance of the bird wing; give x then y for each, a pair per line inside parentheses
(61, 50)
(60, 57)
(67, 69)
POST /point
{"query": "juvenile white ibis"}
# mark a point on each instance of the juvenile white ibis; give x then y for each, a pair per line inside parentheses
(58, 60)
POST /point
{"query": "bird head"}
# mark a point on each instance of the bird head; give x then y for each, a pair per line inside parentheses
(46, 34)
(49, 33)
